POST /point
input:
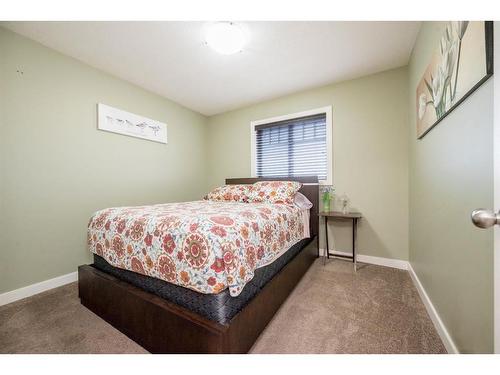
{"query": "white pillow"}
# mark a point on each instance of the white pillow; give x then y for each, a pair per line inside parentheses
(301, 201)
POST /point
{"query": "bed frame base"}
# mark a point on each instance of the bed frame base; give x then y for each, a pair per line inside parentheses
(164, 327)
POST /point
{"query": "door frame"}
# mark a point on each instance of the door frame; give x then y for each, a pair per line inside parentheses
(496, 182)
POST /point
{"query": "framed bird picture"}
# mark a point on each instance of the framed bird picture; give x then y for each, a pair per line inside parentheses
(118, 121)
(462, 63)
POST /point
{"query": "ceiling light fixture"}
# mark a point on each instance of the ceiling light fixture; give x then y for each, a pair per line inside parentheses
(225, 37)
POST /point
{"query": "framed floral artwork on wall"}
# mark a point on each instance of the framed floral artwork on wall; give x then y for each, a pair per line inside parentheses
(462, 63)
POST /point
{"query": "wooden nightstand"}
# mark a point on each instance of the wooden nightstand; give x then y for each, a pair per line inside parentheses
(335, 215)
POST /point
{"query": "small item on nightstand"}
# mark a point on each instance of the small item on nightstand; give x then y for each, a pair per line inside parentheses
(327, 196)
(344, 203)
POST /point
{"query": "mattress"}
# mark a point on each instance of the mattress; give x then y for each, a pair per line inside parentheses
(221, 307)
(205, 246)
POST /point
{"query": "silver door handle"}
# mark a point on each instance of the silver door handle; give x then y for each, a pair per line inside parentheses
(485, 218)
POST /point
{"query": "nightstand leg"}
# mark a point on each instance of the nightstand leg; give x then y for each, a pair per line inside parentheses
(354, 232)
(327, 252)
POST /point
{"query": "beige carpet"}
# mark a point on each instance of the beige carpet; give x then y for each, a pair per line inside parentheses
(332, 310)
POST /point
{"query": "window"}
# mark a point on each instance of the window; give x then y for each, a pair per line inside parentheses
(293, 145)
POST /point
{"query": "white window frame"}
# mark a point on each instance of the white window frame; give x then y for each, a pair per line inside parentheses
(329, 138)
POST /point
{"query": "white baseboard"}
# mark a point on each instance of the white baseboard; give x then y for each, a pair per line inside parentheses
(40, 287)
(379, 261)
(431, 310)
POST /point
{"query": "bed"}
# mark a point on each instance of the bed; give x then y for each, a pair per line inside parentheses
(181, 312)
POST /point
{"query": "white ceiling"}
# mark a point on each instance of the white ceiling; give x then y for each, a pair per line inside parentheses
(171, 59)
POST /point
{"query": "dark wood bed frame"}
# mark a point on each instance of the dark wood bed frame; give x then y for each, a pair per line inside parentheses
(161, 326)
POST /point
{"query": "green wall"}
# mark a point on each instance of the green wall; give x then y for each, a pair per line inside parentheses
(56, 168)
(451, 173)
(370, 153)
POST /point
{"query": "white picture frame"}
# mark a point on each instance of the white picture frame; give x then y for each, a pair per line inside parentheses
(122, 122)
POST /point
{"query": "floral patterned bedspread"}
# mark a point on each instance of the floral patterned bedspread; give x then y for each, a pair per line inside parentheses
(203, 245)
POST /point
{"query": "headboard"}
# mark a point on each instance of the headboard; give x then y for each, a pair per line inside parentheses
(310, 188)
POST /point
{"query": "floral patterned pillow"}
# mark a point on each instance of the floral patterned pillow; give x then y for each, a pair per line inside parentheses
(234, 193)
(274, 191)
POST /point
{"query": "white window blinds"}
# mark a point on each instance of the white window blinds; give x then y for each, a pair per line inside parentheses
(292, 148)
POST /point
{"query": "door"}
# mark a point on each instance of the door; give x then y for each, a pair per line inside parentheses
(485, 218)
